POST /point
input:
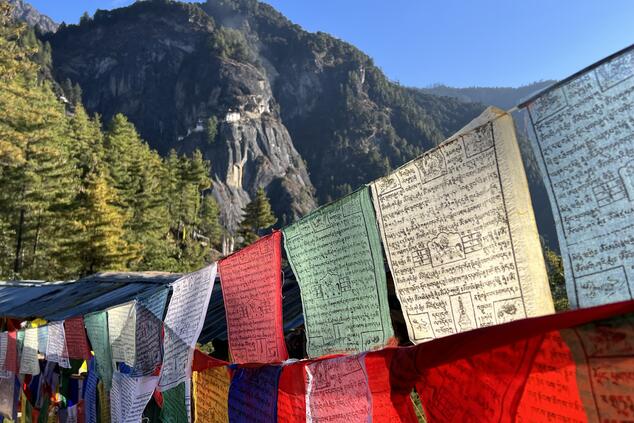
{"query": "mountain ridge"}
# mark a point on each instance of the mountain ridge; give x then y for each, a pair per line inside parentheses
(305, 115)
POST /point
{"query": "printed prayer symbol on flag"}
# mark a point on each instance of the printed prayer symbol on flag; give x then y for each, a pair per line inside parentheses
(335, 252)
(251, 281)
(460, 236)
(582, 135)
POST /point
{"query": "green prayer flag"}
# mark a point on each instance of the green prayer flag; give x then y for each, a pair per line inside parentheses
(335, 252)
(174, 405)
(97, 329)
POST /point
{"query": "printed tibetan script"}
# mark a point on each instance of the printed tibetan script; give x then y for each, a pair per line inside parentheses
(183, 323)
(252, 292)
(338, 391)
(460, 236)
(583, 138)
(336, 254)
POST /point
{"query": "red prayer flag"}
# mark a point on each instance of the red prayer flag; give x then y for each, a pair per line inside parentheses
(291, 395)
(388, 405)
(251, 281)
(11, 361)
(76, 340)
(203, 361)
(573, 366)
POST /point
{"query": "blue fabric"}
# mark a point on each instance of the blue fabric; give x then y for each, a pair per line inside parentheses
(253, 395)
(90, 393)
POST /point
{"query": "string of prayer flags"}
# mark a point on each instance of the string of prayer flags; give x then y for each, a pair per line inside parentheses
(582, 135)
(129, 396)
(460, 236)
(56, 350)
(29, 363)
(211, 395)
(335, 253)
(183, 323)
(76, 340)
(253, 394)
(148, 333)
(121, 332)
(527, 370)
(97, 330)
(251, 281)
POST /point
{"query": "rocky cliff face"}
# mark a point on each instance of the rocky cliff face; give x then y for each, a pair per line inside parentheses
(159, 64)
(266, 102)
(24, 12)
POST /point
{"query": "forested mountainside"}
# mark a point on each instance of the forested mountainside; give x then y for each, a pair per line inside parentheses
(230, 97)
(306, 116)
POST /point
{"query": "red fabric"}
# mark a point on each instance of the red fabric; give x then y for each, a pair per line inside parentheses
(11, 360)
(251, 281)
(291, 396)
(203, 361)
(76, 340)
(388, 405)
(573, 366)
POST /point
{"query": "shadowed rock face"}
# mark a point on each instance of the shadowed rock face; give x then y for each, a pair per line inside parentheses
(154, 63)
(24, 12)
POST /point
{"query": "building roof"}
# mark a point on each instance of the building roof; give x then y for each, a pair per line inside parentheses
(54, 301)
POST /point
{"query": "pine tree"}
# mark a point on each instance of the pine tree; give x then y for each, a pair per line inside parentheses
(257, 217)
(35, 171)
(209, 221)
(102, 246)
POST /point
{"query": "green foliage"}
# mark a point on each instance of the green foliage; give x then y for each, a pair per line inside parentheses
(257, 217)
(78, 200)
(212, 129)
(231, 44)
(556, 279)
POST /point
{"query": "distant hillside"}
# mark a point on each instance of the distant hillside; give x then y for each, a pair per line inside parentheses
(502, 97)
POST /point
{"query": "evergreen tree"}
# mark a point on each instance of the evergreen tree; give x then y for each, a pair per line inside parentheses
(102, 246)
(209, 221)
(257, 217)
(37, 177)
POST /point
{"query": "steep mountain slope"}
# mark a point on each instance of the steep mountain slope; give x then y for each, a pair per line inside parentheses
(304, 115)
(161, 65)
(23, 11)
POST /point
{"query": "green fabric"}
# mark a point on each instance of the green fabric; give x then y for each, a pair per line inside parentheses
(152, 412)
(43, 418)
(97, 329)
(20, 340)
(335, 252)
(174, 410)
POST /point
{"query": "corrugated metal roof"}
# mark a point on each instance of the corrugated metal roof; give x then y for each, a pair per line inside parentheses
(27, 300)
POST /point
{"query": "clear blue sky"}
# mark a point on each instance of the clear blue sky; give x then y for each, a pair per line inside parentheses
(455, 42)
